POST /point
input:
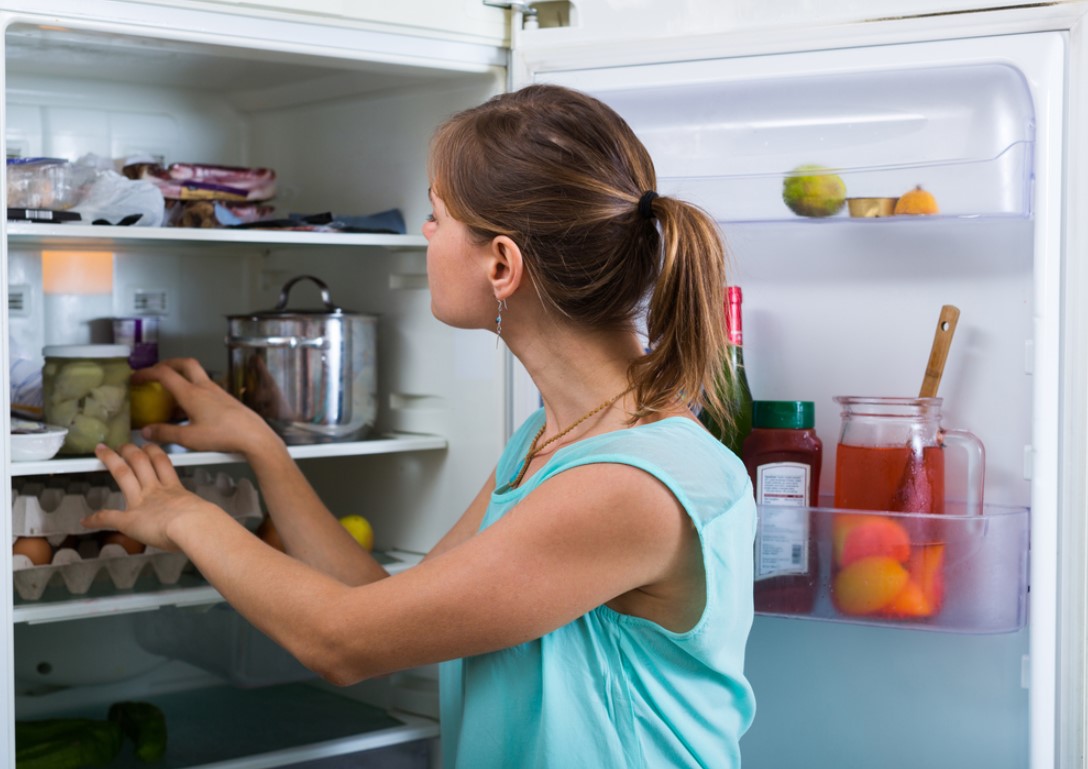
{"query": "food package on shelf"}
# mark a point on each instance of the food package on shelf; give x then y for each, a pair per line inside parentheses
(51, 184)
(76, 555)
(205, 181)
(213, 213)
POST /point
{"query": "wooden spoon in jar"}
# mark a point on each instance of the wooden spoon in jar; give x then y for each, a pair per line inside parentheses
(938, 353)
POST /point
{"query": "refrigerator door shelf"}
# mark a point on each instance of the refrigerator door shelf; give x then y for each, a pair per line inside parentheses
(955, 573)
(968, 188)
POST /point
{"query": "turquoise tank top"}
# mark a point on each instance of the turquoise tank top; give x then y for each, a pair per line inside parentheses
(610, 689)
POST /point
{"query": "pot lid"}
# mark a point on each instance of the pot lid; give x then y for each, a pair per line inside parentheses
(282, 311)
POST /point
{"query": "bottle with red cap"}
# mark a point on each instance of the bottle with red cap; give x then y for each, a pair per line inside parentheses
(732, 428)
(783, 456)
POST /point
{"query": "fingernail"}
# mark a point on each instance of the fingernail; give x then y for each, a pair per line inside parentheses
(146, 432)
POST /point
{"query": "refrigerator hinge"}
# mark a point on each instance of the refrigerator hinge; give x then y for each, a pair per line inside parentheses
(528, 12)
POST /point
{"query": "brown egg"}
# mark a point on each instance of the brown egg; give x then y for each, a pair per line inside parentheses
(267, 532)
(37, 549)
(131, 546)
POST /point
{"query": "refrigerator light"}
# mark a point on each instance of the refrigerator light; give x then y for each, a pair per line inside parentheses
(77, 272)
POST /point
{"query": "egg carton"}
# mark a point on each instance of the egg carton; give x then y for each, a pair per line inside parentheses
(78, 569)
(55, 513)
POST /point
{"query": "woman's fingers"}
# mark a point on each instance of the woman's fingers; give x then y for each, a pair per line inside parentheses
(163, 467)
(103, 519)
(141, 465)
(121, 471)
(189, 368)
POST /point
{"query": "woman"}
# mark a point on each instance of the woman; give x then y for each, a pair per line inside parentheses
(594, 600)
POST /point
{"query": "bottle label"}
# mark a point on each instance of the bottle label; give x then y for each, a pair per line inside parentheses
(783, 536)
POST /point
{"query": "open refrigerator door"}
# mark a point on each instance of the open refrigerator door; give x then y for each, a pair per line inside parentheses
(842, 305)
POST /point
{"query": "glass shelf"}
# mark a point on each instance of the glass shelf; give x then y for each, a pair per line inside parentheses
(954, 572)
(231, 728)
(57, 605)
(389, 444)
(64, 235)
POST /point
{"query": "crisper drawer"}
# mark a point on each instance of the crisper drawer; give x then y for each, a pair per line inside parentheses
(289, 725)
(960, 573)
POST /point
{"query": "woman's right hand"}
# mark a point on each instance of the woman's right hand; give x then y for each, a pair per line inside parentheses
(217, 420)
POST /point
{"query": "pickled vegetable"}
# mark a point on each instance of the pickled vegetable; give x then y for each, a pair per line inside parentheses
(90, 397)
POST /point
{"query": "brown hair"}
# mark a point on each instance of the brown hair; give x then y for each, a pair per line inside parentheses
(562, 174)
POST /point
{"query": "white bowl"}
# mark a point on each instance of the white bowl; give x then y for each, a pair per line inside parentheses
(34, 441)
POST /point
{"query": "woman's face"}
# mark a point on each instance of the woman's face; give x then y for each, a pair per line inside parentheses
(461, 295)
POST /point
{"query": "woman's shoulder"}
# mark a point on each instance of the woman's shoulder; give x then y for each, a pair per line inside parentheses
(679, 452)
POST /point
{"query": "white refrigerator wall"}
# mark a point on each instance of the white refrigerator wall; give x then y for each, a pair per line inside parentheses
(849, 308)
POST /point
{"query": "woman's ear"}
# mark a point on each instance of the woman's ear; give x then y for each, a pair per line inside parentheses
(506, 270)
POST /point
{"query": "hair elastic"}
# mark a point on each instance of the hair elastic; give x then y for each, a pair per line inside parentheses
(646, 204)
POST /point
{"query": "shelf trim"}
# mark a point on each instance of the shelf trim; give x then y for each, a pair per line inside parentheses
(391, 444)
(69, 234)
(81, 607)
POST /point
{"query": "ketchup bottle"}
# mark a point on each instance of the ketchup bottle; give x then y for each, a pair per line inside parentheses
(783, 457)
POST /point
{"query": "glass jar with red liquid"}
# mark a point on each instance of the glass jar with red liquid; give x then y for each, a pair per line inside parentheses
(890, 459)
(783, 456)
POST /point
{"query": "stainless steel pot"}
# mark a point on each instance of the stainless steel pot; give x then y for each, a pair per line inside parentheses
(311, 374)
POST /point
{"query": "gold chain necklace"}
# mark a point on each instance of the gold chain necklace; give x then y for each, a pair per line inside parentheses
(534, 449)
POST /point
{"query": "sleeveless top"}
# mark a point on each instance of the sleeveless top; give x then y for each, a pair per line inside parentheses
(610, 689)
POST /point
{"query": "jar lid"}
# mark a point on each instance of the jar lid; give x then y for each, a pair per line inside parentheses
(788, 415)
(86, 351)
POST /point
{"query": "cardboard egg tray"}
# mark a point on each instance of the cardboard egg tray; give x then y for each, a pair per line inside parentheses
(55, 512)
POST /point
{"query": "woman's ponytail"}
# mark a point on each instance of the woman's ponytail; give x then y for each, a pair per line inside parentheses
(684, 320)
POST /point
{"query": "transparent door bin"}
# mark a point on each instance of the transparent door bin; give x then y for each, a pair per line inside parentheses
(954, 572)
(79, 556)
(964, 188)
(219, 640)
(964, 132)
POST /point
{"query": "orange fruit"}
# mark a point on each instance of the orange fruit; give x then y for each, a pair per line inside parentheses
(873, 536)
(918, 202)
(868, 585)
(911, 602)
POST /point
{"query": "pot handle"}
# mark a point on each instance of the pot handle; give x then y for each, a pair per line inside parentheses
(281, 305)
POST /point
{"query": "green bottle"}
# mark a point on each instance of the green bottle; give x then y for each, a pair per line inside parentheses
(737, 396)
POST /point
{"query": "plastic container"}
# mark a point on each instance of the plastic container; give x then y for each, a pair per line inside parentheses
(972, 579)
(46, 183)
(221, 641)
(783, 456)
(86, 389)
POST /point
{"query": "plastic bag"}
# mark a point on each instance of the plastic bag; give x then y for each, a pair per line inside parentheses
(113, 199)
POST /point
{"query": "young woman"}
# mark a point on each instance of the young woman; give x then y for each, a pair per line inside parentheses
(593, 602)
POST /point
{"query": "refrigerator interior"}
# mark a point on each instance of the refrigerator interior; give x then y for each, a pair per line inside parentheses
(347, 136)
(848, 306)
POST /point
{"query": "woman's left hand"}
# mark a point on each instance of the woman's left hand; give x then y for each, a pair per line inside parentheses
(154, 496)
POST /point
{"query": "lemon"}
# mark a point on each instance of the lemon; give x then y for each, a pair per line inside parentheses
(359, 527)
(813, 190)
(150, 403)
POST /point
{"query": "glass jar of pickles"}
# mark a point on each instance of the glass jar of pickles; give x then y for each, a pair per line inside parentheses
(86, 389)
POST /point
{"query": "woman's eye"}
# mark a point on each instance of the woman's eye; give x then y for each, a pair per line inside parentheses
(430, 217)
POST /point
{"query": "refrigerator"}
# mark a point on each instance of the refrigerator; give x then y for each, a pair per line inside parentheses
(985, 108)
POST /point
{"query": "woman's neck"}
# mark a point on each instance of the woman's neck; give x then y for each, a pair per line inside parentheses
(577, 372)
